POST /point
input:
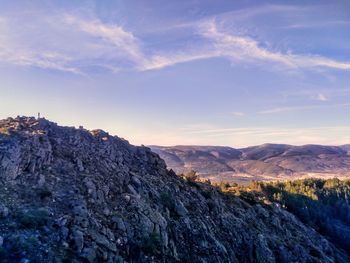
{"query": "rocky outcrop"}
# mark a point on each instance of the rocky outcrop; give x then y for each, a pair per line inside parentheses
(72, 195)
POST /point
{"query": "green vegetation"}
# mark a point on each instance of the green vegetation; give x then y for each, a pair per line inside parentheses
(167, 201)
(34, 218)
(152, 244)
(18, 245)
(192, 178)
(321, 204)
(44, 194)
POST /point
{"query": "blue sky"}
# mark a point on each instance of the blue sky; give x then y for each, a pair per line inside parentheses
(203, 72)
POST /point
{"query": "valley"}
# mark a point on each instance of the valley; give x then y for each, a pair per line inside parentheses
(267, 162)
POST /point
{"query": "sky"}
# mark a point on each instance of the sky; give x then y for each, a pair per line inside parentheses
(200, 72)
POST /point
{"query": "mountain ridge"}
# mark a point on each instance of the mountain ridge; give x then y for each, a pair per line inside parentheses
(262, 162)
(72, 195)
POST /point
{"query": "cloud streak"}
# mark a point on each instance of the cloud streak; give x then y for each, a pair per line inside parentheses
(247, 49)
(248, 136)
(238, 113)
(14, 51)
(301, 108)
(121, 39)
(321, 97)
(98, 44)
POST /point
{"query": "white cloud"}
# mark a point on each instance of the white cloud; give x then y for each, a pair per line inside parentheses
(160, 61)
(317, 24)
(238, 47)
(123, 40)
(44, 60)
(223, 43)
(17, 51)
(248, 50)
(238, 114)
(285, 109)
(321, 97)
(318, 61)
(73, 44)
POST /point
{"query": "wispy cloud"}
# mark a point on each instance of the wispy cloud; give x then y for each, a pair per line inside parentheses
(164, 59)
(317, 92)
(301, 108)
(317, 24)
(45, 60)
(121, 39)
(247, 136)
(247, 49)
(15, 51)
(238, 113)
(237, 48)
(286, 109)
(74, 44)
(320, 97)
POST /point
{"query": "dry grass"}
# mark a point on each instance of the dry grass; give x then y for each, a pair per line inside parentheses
(4, 130)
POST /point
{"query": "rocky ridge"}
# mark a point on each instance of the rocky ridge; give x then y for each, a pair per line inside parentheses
(72, 195)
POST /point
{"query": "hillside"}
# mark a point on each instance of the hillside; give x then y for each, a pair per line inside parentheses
(321, 204)
(72, 195)
(265, 162)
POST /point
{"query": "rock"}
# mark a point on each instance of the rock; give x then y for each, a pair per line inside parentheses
(110, 235)
(261, 211)
(80, 165)
(180, 209)
(102, 240)
(283, 255)
(127, 198)
(89, 254)
(136, 181)
(78, 237)
(146, 225)
(132, 190)
(119, 259)
(106, 211)
(64, 231)
(91, 187)
(115, 202)
(262, 251)
(119, 223)
(41, 181)
(4, 211)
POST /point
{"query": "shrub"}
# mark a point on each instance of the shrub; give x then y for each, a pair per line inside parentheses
(167, 201)
(34, 218)
(248, 197)
(207, 181)
(4, 130)
(206, 193)
(191, 176)
(44, 193)
(152, 244)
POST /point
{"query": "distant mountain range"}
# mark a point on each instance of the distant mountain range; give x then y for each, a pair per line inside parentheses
(263, 162)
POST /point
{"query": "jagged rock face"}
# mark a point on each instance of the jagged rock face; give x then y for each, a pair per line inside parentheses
(70, 195)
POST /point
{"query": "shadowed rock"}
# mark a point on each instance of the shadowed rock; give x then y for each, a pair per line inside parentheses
(70, 195)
